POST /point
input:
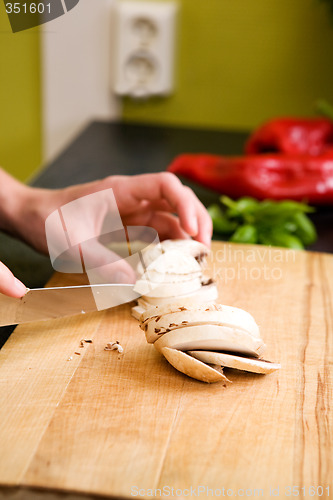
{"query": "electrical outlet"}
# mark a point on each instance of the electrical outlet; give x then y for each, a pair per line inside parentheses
(144, 48)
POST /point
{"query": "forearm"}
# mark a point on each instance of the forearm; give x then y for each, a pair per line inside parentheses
(11, 197)
(23, 210)
(12, 194)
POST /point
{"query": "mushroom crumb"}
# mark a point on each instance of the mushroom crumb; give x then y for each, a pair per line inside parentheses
(114, 346)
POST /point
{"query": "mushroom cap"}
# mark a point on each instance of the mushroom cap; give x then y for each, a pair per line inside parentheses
(237, 362)
(192, 367)
(211, 338)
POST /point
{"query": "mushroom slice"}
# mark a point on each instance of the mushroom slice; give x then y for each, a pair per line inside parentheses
(236, 362)
(188, 247)
(149, 289)
(137, 311)
(166, 320)
(211, 338)
(191, 247)
(192, 367)
(233, 315)
(149, 255)
(175, 262)
(204, 294)
(158, 277)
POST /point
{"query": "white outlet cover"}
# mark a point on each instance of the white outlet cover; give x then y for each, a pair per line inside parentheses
(144, 47)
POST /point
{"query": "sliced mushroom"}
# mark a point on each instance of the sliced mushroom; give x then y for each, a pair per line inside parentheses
(157, 277)
(211, 338)
(174, 262)
(237, 362)
(148, 255)
(187, 247)
(203, 295)
(191, 247)
(233, 313)
(166, 318)
(170, 274)
(137, 312)
(157, 290)
(192, 367)
(206, 295)
(179, 316)
(183, 303)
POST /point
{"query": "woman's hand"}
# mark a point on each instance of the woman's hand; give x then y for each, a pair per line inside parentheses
(153, 199)
(159, 201)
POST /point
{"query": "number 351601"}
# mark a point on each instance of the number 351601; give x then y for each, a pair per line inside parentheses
(27, 8)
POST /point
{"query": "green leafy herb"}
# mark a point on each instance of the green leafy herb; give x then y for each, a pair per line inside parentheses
(278, 223)
(222, 224)
(245, 234)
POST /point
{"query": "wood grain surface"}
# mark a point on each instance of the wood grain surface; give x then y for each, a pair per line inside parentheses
(112, 424)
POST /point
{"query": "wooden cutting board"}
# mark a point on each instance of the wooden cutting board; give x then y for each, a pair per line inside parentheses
(111, 424)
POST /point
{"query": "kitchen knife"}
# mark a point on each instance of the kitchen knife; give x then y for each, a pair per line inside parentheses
(49, 303)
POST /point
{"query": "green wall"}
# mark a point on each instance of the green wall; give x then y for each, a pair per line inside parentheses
(20, 107)
(241, 62)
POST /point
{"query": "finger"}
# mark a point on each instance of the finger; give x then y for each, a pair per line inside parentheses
(9, 285)
(156, 205)
(180, 198)
(153, 187)
(205, 225)
(204, 222)
(191, 206)
(167, 225)
(193, 216)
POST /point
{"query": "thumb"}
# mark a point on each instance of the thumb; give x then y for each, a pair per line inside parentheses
(9, 285)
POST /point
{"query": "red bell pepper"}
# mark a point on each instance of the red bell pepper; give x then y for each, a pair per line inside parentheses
(292, 136)
(276, 176)
(286, 158)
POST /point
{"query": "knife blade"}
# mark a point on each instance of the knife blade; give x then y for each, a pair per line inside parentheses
(40, 304)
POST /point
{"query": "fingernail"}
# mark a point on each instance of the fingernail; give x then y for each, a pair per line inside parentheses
(19, 287)
(121, 277)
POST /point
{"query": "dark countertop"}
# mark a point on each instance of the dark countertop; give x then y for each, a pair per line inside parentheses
(105, 148)
(116, 148)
